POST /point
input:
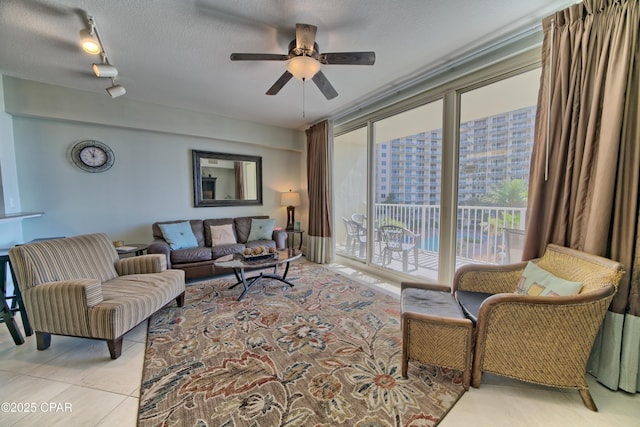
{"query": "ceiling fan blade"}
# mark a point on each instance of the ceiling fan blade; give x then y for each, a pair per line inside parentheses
(258, 57)
(323, 84)
(280, 83)
(305, 36)
(348, 58)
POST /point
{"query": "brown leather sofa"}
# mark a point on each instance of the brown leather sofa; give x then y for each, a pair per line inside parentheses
(199, 261)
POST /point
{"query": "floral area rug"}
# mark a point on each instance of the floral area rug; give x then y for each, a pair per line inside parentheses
(326, 352)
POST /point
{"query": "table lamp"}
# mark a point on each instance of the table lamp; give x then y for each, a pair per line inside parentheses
(290, 200)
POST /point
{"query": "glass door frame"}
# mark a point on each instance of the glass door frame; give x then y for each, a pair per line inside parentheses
(450, 92)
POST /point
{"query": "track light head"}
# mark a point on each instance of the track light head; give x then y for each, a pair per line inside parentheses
(104, 70)
(116, 91)
(90, 43)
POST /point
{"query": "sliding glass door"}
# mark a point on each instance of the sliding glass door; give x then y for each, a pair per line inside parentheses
(440, 179)
(407, 160)
(350, 193)
(495, 141)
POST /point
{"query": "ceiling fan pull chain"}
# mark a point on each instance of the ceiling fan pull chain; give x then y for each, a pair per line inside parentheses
(303, 80)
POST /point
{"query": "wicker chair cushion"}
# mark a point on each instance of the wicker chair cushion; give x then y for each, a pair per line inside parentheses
(538, 282)
(470, 303)
(415, 300)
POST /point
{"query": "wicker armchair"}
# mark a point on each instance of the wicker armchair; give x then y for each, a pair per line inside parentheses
(543, 340)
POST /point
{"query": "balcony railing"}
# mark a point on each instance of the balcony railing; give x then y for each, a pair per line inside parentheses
(479, 233)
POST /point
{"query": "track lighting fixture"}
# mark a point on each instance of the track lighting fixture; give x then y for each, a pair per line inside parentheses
(105, 70)
(116, 91)
(92, 43)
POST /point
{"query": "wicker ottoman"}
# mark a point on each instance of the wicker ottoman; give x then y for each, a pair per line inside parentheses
(434, 329)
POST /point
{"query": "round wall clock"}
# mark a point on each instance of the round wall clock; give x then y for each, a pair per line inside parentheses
(92, 156)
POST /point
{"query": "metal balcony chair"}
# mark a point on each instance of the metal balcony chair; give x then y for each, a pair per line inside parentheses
(360, 237)
(356, 235)
(514, 242)
(400, 240)
(360, 218)
(351, 235)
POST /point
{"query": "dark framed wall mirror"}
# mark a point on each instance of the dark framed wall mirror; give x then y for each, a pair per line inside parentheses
(223, 179)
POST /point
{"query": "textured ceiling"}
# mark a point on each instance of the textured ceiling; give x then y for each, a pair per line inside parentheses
(176, 53)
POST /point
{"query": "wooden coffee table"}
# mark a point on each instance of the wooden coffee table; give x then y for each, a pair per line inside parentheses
(240, 265)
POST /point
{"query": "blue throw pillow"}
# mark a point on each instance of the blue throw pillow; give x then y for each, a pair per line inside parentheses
(261, 229)
(538, 282)
(179, 235)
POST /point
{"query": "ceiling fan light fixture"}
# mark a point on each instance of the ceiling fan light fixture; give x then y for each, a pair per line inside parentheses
(303, 67)
(89, 42)
(104, 70)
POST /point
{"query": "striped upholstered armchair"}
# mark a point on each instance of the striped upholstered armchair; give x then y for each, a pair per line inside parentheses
(540, 339)
(79, 287)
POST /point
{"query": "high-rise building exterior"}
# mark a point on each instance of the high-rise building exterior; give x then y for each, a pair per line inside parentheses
(492, 149)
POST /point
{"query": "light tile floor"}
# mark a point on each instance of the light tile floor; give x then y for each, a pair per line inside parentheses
(75, 383)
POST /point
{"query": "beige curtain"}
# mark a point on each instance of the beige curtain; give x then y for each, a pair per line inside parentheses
(238, 169)
(585, 170)
(319, 240)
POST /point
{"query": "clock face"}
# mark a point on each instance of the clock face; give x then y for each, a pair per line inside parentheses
(92, 156)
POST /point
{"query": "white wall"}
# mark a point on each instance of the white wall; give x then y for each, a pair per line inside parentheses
(10, 232)
(151, 179)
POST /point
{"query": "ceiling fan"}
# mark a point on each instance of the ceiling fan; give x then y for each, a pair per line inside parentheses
(305, 60)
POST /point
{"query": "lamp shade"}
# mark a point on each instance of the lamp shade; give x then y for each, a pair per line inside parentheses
(303, 67)
(291, 198)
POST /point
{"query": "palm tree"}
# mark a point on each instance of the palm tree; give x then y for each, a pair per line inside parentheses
(510, 193)
(391, 199)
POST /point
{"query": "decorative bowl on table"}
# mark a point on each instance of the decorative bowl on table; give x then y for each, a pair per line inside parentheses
(259, 252)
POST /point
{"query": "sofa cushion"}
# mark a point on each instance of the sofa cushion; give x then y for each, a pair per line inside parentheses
(261, 229)
(243, 227)
(179, 235)
(207, 223)
(222, 250)
(128, 300)
(538, 282)
(222, 235)
(190, 255)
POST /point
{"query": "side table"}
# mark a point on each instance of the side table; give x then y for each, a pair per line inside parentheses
(291, 238)
(136, 249)
(6, 311)
(17, 305)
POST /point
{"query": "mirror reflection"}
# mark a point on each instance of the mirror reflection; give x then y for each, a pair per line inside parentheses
(223, 179)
